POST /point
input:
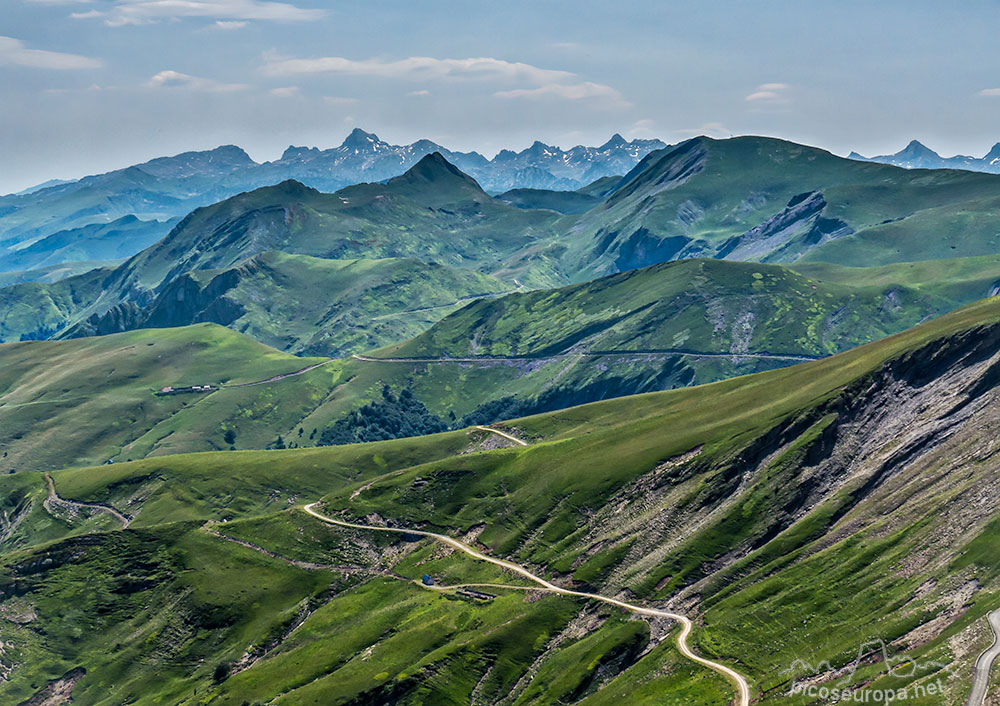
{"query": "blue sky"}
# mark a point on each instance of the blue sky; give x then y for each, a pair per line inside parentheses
(91, 85)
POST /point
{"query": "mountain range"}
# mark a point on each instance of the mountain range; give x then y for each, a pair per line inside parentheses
(154, 193)
(917, 156)
(412, 443)
(742, 199)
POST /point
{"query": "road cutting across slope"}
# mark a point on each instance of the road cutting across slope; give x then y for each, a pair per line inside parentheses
(741, 684)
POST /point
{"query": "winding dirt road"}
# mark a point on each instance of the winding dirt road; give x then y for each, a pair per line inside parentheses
(741, 684)
(278, 378)
(589, 354)
(981, 678)
(503, 434)
(54, 499)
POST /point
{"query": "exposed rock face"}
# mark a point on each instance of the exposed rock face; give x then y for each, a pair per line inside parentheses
(919, 438)
(58, 691)
(799, 222)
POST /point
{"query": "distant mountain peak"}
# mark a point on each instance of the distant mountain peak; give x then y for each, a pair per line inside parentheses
(616, 141)
(360, 138)
(433, 166)
(292, 152)
(993, 155)
(435, 180)
(918, 149)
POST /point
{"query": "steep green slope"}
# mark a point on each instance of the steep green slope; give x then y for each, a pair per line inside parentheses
(34, 310)
(754, 198)
(708, 306)
(796, 515)
(659, 328)
(308, 305)
(433, 211)
(433, 217)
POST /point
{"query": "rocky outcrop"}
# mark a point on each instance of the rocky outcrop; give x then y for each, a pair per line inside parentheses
(799, 223)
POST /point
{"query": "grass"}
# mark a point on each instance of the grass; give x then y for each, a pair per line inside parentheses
(171, 597)
(84, 400)
(727, 187)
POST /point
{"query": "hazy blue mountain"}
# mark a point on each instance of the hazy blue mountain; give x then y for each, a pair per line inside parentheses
(918, 156)
(171, 187)
(116, 240)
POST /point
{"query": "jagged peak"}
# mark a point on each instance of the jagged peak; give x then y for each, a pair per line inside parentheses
(616, 140)
(360, 138)
(292, 152)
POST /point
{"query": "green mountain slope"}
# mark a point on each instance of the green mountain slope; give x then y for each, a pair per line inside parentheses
(433, 211)
(308, 305)
(754, 198)
(709, 306)
(786, 513)
(433, 217)
(663, 327)
(36, 310)
(90, 400)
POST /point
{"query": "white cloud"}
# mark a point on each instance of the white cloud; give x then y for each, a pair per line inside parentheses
(573, 91)
(285, 91)
(423, 92)
(570, 91)
(231, 24)
(763, 96)
(89, 14)
(142, 12)
(175, 79)
(416, 68)
(13, 52)
(769, 94)
(990, 92)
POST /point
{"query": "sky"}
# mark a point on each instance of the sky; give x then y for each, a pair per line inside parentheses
(92, 85)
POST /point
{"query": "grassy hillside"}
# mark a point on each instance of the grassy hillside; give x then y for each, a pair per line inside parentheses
(433, 211)
(309, 305)
(90, 400)
(36, 310)
(663, 327)
(762, 199)
(785, 511)
(428, 224)
(709, 306)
